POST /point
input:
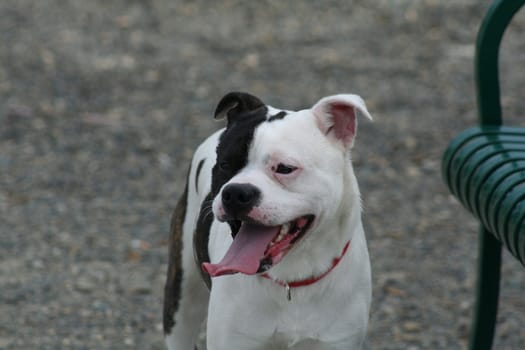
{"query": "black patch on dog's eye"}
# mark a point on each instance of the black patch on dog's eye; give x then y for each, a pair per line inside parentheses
(232, 150)
(245, 113)
(233, 147)
(277, 116)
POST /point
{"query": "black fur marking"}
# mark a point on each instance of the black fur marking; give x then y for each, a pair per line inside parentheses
(197, 173)
(233, 147)
(232, 152)
(277, 116)
(172, 288)
(202, 237)
(236, 104)
(245, 113)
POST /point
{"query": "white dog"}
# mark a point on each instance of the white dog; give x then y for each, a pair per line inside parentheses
(272, 212)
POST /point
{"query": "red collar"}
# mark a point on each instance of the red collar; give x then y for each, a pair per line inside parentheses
(311, 280)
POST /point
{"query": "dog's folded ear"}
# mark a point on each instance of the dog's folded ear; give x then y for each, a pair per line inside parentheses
(236, 103)
(336, 116)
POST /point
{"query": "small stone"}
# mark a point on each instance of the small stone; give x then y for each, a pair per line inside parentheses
(138, 244)
(133, 256)
(136, 283)
(164, 160)
(465, 305)
(38, 264)
(413, 171)
(152, 76)
(394, 291)
(84, 285)
(410, 142)
(251, 61)
(408, 337)
(19, 111)
(123, 22)
(412, 326)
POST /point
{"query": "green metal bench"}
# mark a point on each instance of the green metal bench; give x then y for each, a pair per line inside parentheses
(484, 168)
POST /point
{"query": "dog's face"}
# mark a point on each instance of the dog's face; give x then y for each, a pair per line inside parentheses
(279, 175)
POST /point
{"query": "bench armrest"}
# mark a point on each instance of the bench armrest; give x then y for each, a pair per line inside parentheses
(488, 42)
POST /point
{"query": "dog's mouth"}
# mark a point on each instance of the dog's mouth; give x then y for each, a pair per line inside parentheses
(256, 248)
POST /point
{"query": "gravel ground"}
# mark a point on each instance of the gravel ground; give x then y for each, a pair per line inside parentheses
(102, 103)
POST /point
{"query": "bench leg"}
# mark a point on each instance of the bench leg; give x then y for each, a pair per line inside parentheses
(489, 268)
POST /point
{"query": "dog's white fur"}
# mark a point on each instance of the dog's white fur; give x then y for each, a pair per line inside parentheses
(251, 312)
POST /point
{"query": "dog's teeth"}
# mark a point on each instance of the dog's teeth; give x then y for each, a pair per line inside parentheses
(284, 230)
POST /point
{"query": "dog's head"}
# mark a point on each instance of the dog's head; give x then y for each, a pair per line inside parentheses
(281, 176)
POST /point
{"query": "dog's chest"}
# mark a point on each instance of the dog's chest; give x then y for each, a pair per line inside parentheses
(295, 326)
(310, 320)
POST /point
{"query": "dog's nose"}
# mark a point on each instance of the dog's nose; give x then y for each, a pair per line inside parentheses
(238, 199)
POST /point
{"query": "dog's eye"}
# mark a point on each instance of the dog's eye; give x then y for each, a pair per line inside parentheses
(284, 169)
(224, 166)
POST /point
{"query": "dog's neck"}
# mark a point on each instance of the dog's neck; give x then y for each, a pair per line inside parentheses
(288, 285)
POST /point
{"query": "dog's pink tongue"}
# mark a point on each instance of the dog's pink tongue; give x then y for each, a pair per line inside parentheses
(246, 251)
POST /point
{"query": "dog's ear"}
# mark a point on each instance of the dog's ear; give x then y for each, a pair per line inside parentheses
(336, 116)
(235, 104)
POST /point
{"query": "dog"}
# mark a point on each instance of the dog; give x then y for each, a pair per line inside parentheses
(270, 220)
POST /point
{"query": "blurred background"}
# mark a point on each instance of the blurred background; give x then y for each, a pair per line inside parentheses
(103, 102)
